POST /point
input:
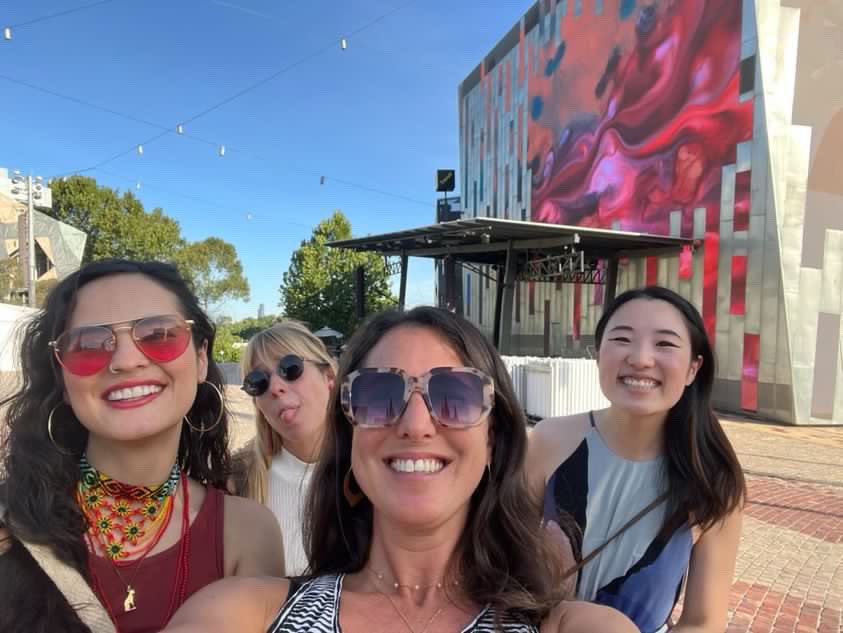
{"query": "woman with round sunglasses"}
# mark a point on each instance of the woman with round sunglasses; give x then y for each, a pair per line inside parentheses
(115, 460)
(289, 374)
(652, 481)
(419, 518)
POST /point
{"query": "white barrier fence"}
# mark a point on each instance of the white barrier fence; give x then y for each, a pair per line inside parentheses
(550, 387)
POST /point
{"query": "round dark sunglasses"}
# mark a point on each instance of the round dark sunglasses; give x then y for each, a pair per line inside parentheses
(290, 368)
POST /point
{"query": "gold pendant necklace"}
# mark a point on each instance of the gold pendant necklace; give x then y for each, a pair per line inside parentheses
(379, 577)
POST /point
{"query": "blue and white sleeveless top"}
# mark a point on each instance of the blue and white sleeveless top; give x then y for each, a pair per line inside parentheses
(312, 606)
(640, 573)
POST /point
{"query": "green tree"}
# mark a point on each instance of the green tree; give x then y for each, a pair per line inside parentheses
(214, 270)
(318, 287)
(248, 327)
(227, 346)
(116, 225)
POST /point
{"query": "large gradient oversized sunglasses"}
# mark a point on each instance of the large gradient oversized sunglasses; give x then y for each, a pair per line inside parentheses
(456, 397)
(290, 368)
(86, 350)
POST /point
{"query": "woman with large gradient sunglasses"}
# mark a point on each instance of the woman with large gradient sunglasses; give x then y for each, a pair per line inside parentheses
(419, 518)
(289, 374)
(116, 459)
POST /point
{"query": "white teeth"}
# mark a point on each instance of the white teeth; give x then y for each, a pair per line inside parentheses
(639, 383)
(417, 465)
(134, 392)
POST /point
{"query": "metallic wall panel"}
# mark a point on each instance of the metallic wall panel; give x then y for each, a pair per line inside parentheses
(826, 363)
(804, 335)
(831, 296)
(699, 223)
(676, 223)
(727, 194)
(734, 353)
(755, 262)
(784, 366)
(771, 353)
(744, 153)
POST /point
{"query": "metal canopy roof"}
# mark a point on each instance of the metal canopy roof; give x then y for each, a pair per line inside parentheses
(485, 240)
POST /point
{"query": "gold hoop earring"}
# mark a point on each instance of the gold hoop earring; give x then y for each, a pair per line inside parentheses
(219, 417)
(353, 497)
(59, 448)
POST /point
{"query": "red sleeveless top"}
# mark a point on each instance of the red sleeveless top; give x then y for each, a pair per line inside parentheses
(153, 580)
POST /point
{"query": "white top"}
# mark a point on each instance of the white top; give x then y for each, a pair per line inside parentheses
(288, 483)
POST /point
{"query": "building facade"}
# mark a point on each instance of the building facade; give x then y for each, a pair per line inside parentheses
(718, 120)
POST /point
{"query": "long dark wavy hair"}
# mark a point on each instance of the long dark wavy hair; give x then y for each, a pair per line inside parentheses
(705, 479)
(502, 558)
(40, 479)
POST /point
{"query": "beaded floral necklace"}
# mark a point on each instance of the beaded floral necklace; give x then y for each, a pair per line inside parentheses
(123, 518)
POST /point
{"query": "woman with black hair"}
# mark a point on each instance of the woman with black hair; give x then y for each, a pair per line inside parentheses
(418, 517)
(652, 482)
(115, 458)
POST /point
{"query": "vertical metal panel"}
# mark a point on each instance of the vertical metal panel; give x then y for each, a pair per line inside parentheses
(831, 296)
(825, 365)
(734, 367)
(784, 364)
(744, 156)
(804, 336)
(727, 194)
(754, 264)
(671, 264)
(699, 223)
(676, 223)
(661, 277)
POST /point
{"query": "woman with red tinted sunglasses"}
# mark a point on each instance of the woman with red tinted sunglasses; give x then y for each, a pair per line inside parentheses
(289, 374)
(419, 518)
(115, 458)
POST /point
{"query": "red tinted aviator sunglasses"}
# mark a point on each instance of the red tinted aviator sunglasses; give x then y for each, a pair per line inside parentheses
(86, 350)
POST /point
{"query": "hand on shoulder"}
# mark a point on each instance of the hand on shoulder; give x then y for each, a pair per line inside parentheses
(254, 545)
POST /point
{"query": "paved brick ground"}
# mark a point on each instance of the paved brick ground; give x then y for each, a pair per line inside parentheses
(789, 572)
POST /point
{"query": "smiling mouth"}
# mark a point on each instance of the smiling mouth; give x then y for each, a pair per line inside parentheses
(640, 384)
(133, 393)
(427, 466)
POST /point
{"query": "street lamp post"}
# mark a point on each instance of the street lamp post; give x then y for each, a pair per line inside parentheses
(32, 191)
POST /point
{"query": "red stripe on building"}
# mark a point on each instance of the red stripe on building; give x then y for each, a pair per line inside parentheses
(749, 373)
(737, 304)
(575, 326)
(743, 198)
(652, 271)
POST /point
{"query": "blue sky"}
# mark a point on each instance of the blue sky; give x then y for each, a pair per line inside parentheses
(381, 114)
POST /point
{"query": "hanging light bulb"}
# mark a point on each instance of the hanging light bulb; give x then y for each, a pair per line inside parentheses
(248, 216)
(321, 180)
(137, 185)
(343, 43)
(140, 150)
(179, 129)
(7, 33)
(222, 150)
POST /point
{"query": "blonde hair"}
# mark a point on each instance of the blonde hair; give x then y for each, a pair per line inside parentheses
(264, 349)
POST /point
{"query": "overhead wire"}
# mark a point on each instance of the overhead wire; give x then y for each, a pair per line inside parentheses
(50, 16)
(250, 88)
(207, 203)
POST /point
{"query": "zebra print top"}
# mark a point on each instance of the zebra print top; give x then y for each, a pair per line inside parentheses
(312, 606)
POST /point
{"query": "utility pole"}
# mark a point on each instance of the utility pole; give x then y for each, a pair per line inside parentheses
(30, 241)
(26, 247)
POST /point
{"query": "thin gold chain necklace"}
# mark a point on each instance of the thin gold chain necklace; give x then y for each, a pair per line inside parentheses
(379, 577)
